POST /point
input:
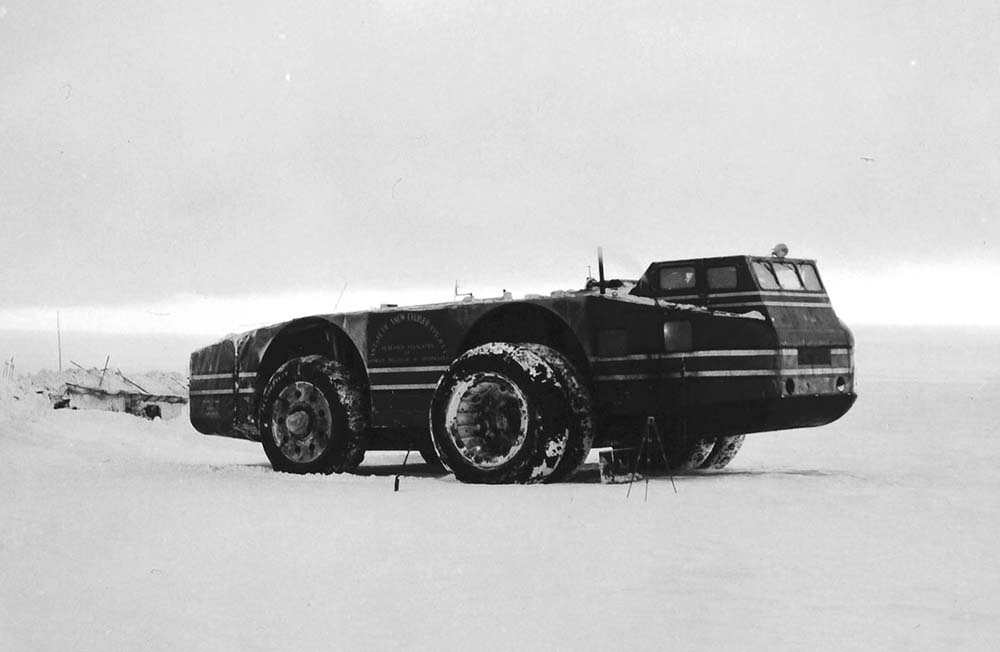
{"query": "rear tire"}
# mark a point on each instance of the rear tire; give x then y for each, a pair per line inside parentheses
(312, 418)
(723, 452)
(681, 454)
(502, 414)
(690, 454)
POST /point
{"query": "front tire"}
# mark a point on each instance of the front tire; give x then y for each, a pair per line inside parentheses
(426, 450)
(312, 418)
(581, 427)
(502, 414)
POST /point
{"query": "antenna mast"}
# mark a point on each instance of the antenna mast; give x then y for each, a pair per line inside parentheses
(600, 268)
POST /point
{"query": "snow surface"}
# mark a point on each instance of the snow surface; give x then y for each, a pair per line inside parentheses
(876, 532)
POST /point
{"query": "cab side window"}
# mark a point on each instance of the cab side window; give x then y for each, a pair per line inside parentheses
(677, 278)
(721, 278)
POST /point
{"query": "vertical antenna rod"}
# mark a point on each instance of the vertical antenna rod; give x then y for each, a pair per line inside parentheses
(340, 296)
(600, 268)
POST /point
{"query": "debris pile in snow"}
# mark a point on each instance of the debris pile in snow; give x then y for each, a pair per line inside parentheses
(150, 394)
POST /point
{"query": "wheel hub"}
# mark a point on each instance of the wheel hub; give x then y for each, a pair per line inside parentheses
(301, 422)
(298, 424)
(487, 419)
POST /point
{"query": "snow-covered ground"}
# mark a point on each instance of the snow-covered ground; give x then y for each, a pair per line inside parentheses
(877, 532)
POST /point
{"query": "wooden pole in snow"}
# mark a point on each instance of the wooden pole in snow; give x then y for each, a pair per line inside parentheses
(105, 370)
(59, 340)
(130, 382)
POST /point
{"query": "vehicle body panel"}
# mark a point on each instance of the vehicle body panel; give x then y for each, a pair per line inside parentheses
(684, 354)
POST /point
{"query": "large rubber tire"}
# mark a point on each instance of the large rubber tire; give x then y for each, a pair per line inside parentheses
(723, 452)
(426, 449)
(312, 417)
(681, 455)
(582, 431)
(501, 414)
(688, 455)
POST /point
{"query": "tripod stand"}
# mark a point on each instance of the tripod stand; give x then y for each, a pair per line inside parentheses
(650, 438)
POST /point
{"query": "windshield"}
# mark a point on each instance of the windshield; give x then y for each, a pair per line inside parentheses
(810, 278)
(783, 275)
(788, 278)
(765, 276)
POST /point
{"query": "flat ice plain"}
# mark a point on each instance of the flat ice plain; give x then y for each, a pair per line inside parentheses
(878, 532)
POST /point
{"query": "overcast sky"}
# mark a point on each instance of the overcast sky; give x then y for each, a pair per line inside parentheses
(170, 158)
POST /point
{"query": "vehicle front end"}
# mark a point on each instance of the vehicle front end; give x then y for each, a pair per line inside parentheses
(722, 347)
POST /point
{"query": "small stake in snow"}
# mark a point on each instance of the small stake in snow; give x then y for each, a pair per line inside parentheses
(395, 482)
(59, 339)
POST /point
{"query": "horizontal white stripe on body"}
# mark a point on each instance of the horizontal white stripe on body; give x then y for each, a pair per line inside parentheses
(396, 370)
(773, 304)
(390, 388)
(816, 371)
(211, 376)
(820, 348)
(728, 295)
(242, 374)
(710, 353)
(210, 392)
(771, 293)
(725, 373)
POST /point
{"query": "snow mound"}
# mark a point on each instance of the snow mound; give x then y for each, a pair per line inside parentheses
(112, 381)
(35, 392)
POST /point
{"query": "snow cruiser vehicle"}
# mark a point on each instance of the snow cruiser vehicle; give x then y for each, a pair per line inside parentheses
(508, 390)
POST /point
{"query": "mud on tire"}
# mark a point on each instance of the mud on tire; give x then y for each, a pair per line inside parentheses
(688, 455)
(313, 417)
(723, 452)
(502, 413)
(581, 427)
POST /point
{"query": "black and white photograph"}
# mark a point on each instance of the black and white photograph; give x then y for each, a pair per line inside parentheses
(451, 326)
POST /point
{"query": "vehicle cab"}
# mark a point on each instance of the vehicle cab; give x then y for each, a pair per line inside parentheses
(816, 349)
(735, 283)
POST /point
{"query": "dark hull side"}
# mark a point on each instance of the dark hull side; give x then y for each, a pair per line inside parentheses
(735, 375)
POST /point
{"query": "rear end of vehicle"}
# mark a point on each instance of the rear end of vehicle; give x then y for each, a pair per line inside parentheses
(212, 376)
